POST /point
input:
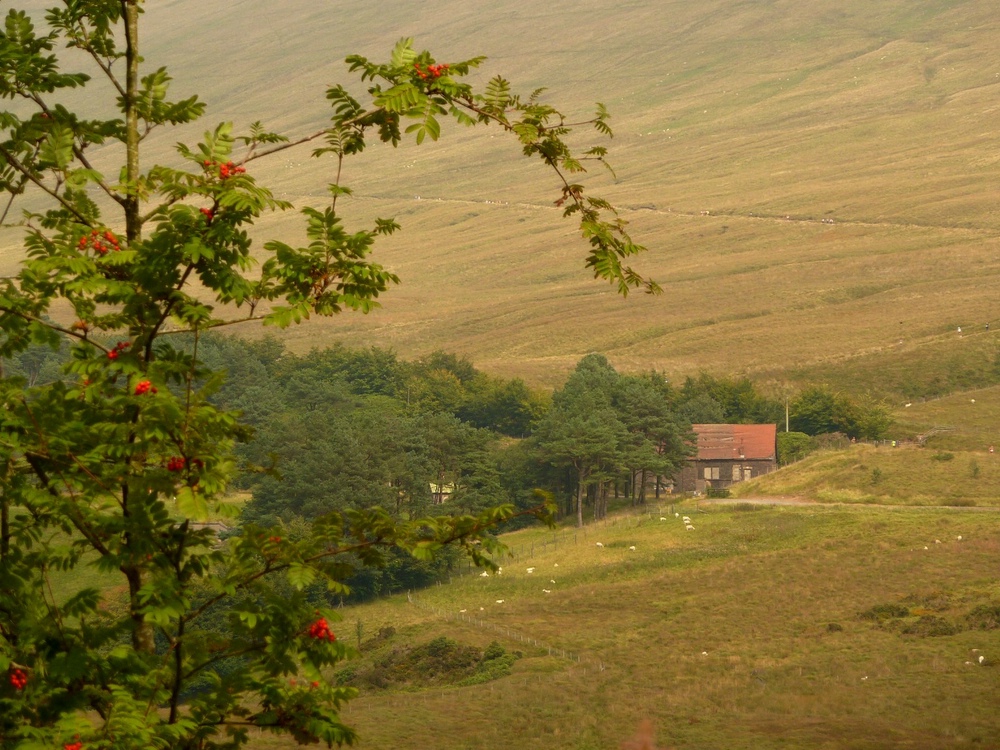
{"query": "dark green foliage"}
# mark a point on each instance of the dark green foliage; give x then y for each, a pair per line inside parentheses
(882, 612)
(793, 446)
(818, 410)
(927, 626)
(441, 661)
(729, 401)
(604, 427)
(984, 617)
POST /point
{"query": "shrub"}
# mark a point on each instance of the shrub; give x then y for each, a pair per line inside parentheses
(493, 651)
(984, 617)
(882, 612)
(929, 626)
(942, 456)
(793, 446)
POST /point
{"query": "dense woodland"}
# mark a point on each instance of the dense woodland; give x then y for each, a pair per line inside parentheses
(341, 428)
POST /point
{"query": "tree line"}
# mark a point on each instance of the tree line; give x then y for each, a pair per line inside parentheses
(343, 428)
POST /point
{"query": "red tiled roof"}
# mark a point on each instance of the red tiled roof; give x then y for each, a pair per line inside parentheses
(735, 441)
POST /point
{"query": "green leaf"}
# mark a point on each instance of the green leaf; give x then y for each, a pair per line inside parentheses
(191, 503)
(300, 575)
(403, 55)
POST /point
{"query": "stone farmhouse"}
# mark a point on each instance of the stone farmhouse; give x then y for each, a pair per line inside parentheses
(727, 454)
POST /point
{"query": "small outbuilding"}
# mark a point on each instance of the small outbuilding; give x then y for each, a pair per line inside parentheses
(729, 453)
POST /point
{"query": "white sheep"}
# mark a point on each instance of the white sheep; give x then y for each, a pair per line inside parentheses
(982, 659)
(556, 565)
(546, 591)
(461, 611)
(552, 580)
(499, 571)
(599, 544)
(686, 519)
(484, 574)
(499, 601)
(632, 548)
(531, 570)
(689, 527)
(663, 518)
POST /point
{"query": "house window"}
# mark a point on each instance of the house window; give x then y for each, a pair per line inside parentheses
(736, 472)
(711, 472)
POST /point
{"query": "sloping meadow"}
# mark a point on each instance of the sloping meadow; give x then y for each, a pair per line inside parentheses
(764, 627)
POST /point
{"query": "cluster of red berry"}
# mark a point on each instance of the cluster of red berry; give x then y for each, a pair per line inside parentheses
(178, 463)
(119, 347)
(274, 539)
(101, 242)
(208, 213)
(73, 745)
(143, 387)
(431, 71)
(320, 630)
(18, 679)
(225, 170)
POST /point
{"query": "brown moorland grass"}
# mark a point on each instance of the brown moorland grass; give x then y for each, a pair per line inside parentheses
(746, 633)
(741, 131)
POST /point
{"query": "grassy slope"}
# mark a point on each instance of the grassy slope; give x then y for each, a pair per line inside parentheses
(769, 116)
(756, 591)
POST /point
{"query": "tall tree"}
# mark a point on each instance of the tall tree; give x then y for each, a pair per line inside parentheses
(583, 430)
(658, 441)
(113, 464)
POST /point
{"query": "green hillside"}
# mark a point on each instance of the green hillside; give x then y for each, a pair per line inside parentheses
(742, 131)
(770, 628)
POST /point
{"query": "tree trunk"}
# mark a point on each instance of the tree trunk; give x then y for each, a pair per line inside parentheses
(133, 221)
(581, 475)
(142, 631)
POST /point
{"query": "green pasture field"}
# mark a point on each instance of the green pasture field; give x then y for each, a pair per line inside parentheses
(748, 632)
(902, 475)
(816, 184)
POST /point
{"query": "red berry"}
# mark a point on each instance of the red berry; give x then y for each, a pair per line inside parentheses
(113, 354)
(143, 387)
(176, 463)
(320, 630)
(18, 679)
